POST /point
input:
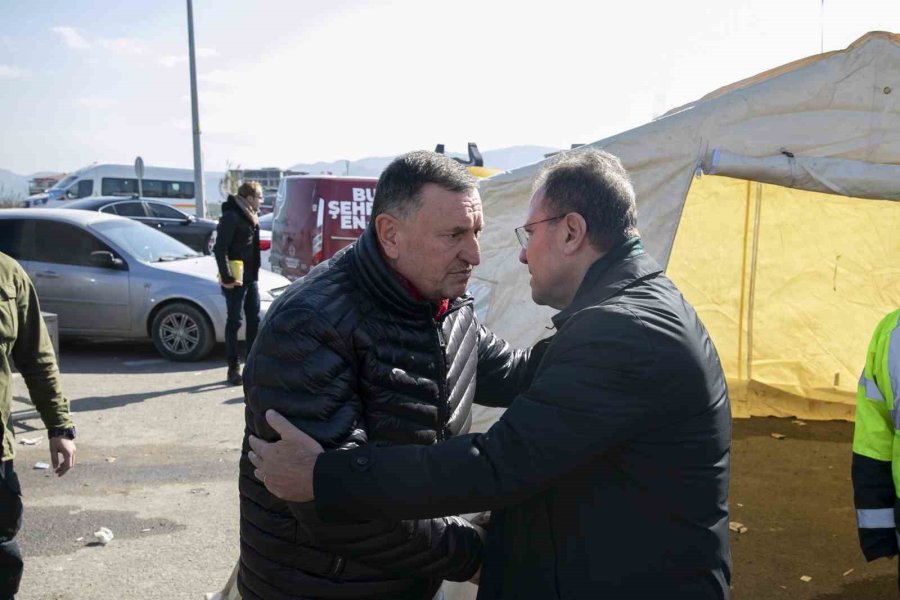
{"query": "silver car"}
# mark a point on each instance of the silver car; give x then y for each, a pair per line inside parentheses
(108, 276)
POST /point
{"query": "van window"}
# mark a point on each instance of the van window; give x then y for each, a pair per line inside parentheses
(65, 183)
(117, 186)
(179, 189)
(85, 188)
(152, 188)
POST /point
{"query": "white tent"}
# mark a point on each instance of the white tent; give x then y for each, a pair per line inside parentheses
(770, 203)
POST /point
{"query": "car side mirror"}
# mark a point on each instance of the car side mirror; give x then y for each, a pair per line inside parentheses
(190, 219)
(106, 260)
(70, 194)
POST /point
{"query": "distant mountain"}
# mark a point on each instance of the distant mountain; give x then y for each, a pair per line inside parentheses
(504, 158)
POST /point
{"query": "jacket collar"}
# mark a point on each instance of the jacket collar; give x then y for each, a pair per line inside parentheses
(377, 278)
(621, 267)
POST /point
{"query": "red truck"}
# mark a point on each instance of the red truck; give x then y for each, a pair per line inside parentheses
(315, 216)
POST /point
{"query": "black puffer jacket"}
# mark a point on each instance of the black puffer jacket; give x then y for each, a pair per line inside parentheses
(350, 358)
(237, 238)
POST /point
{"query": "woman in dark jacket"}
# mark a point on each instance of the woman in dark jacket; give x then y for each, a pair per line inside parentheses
(237, 239)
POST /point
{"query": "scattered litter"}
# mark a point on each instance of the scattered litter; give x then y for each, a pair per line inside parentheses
(85, 485)
(146, 529)
(110, 459)
(778, 436)
(737, 527)
(805, 578)
(847, 572)
(41, 465)
(30, 441)
(103, 536)
(200, 492)
(740, 505)
(799, 423)
(79, 539)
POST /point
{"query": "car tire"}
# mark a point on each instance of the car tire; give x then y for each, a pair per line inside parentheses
(182, 332)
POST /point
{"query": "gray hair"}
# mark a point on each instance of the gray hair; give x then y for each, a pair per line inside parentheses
(398, 191)
(594, 184)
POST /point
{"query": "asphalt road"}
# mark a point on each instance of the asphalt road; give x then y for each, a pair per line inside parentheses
(157, 464)
(158, 445)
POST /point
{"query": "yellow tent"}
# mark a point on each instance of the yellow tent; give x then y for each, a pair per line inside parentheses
(772, 202)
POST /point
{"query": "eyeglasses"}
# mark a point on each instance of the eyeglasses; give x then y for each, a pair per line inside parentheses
(523, 235)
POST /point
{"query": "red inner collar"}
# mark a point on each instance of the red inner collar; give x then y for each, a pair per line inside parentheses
(442, 306)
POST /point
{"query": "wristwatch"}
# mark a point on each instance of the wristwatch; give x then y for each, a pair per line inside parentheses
(66, 432)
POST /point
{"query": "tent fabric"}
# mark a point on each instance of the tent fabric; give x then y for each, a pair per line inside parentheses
(842, 106)
(790, 284)
(830, 175)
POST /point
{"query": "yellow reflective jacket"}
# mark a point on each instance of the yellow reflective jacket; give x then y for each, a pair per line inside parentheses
(876, 455)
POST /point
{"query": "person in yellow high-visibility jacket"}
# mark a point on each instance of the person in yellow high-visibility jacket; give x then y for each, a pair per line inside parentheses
(876, 457)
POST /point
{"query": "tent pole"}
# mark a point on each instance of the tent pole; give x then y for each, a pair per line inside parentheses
(743, 296)
(752, 295)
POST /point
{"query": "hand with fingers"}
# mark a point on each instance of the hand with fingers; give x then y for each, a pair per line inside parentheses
(285, 467)
(62, 455)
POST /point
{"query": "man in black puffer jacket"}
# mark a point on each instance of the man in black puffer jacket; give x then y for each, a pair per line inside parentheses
(379, 346)
(237, 239)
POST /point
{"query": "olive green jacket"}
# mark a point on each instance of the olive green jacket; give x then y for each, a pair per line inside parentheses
(24, 339)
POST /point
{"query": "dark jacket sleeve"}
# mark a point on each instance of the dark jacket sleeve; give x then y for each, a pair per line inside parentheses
(587, 398)
(874, 498)
(35, 359)
(224, 234)
(301, 369)
(503, 372)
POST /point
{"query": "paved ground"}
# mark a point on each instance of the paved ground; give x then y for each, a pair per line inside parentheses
(157, 457)
(157, 462)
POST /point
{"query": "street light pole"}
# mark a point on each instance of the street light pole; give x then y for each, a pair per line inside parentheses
(199, 196)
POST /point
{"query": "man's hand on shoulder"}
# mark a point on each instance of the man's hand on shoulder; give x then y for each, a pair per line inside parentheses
(285, 467)
(62, 455)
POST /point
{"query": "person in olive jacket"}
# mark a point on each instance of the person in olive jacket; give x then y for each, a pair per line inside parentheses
(24, 339)
(608, 475)
(379, 346)
(237, 238)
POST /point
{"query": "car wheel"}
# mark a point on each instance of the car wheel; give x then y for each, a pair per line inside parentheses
(210, 242)
(182, 332)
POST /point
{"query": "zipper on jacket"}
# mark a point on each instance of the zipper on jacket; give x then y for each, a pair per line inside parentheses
(444, 395)
(337, 566)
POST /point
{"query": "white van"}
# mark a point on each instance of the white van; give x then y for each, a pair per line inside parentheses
(173, 186)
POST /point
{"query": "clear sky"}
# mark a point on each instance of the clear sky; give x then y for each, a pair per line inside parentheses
(283, 82)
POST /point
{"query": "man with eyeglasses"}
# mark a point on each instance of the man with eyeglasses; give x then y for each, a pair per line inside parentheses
(608, 476)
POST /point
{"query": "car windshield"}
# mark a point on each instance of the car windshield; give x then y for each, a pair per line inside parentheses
(64, 182)
(142, 242)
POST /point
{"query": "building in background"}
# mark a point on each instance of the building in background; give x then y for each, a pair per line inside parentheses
(268, 178)
(41, 183)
